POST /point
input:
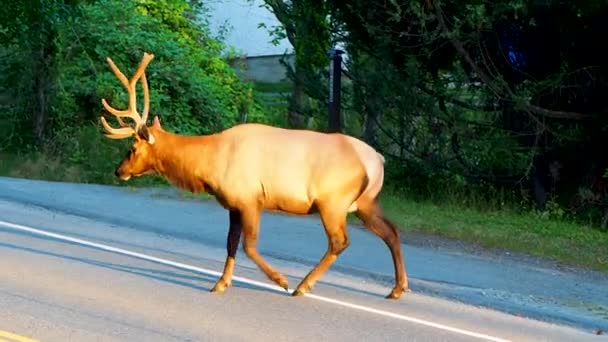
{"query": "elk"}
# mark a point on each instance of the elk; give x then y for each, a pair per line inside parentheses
(253, 167)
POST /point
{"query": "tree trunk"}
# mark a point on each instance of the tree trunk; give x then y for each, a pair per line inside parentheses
(41, 112)
(296, 103)
(371, 121)
(41, 86)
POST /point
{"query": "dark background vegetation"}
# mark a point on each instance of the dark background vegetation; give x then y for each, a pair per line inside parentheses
(492, 115)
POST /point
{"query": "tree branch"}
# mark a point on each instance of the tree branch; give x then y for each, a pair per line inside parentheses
(502, 91)
(281, 11)
(558, 114)
(486, 108)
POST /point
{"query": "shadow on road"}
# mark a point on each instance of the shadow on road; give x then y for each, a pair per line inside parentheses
(183, 278)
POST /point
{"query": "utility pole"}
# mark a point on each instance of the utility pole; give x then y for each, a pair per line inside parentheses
(335, 80)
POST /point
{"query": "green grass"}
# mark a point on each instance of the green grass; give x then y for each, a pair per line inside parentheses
(529, 233)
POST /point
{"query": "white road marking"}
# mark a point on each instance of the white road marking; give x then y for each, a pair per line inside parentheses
(247, 281)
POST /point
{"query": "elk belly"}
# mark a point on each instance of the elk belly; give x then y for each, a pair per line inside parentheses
(291, 207)
(284, 200)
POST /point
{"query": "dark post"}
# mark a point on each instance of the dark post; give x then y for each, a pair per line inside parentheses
(335, 78)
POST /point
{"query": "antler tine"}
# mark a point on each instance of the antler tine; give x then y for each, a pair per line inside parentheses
(128, 113)
(141, 73)
(142, 67)
(116, 133)
(144, 113)
(123, 79)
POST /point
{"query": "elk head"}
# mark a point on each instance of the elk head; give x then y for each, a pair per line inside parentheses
(140, 158)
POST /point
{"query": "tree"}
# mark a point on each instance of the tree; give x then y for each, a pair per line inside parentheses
(305, 24)
(27, 33)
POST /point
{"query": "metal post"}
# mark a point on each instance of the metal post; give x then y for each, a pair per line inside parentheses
(335, 78)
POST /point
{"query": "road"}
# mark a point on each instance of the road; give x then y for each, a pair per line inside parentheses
(95, 263)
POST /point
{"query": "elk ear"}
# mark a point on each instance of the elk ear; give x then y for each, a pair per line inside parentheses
(156, 122)
(143, 133)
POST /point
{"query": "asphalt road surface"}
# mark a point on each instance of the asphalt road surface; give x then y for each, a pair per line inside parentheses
(94, 263)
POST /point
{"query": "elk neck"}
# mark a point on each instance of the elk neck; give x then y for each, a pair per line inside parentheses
(184, 161)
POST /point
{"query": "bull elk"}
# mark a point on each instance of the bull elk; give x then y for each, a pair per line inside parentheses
(252, 167)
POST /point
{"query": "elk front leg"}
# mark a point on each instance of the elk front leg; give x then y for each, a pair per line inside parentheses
(251, 225)
(232, 243)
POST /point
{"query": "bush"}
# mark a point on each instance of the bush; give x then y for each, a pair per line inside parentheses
(192, 89)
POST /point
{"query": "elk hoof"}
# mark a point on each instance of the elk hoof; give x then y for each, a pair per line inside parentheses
(281, 280)
(220, 286)
(397, 292)
(393, 295)
(300, 290)
(298, 293)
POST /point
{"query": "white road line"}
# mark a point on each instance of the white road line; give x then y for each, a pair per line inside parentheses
(247, 281)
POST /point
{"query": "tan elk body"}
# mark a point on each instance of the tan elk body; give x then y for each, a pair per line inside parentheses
(253, 167)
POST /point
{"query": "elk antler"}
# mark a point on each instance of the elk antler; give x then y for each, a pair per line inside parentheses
(126, 130)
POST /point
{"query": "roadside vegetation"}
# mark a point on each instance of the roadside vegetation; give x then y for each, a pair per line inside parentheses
(502, 153)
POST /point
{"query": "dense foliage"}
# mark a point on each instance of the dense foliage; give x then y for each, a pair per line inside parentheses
(192, 88)
(479, 97)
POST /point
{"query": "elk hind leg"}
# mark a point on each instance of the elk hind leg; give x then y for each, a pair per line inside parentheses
(374, 219)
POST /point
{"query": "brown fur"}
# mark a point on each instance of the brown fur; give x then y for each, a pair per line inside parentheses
(253, 167)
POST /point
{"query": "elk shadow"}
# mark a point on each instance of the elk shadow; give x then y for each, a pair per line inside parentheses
(182, 277)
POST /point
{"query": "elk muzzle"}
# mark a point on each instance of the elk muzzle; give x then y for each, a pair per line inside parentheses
(123, 175)
(123, 171)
